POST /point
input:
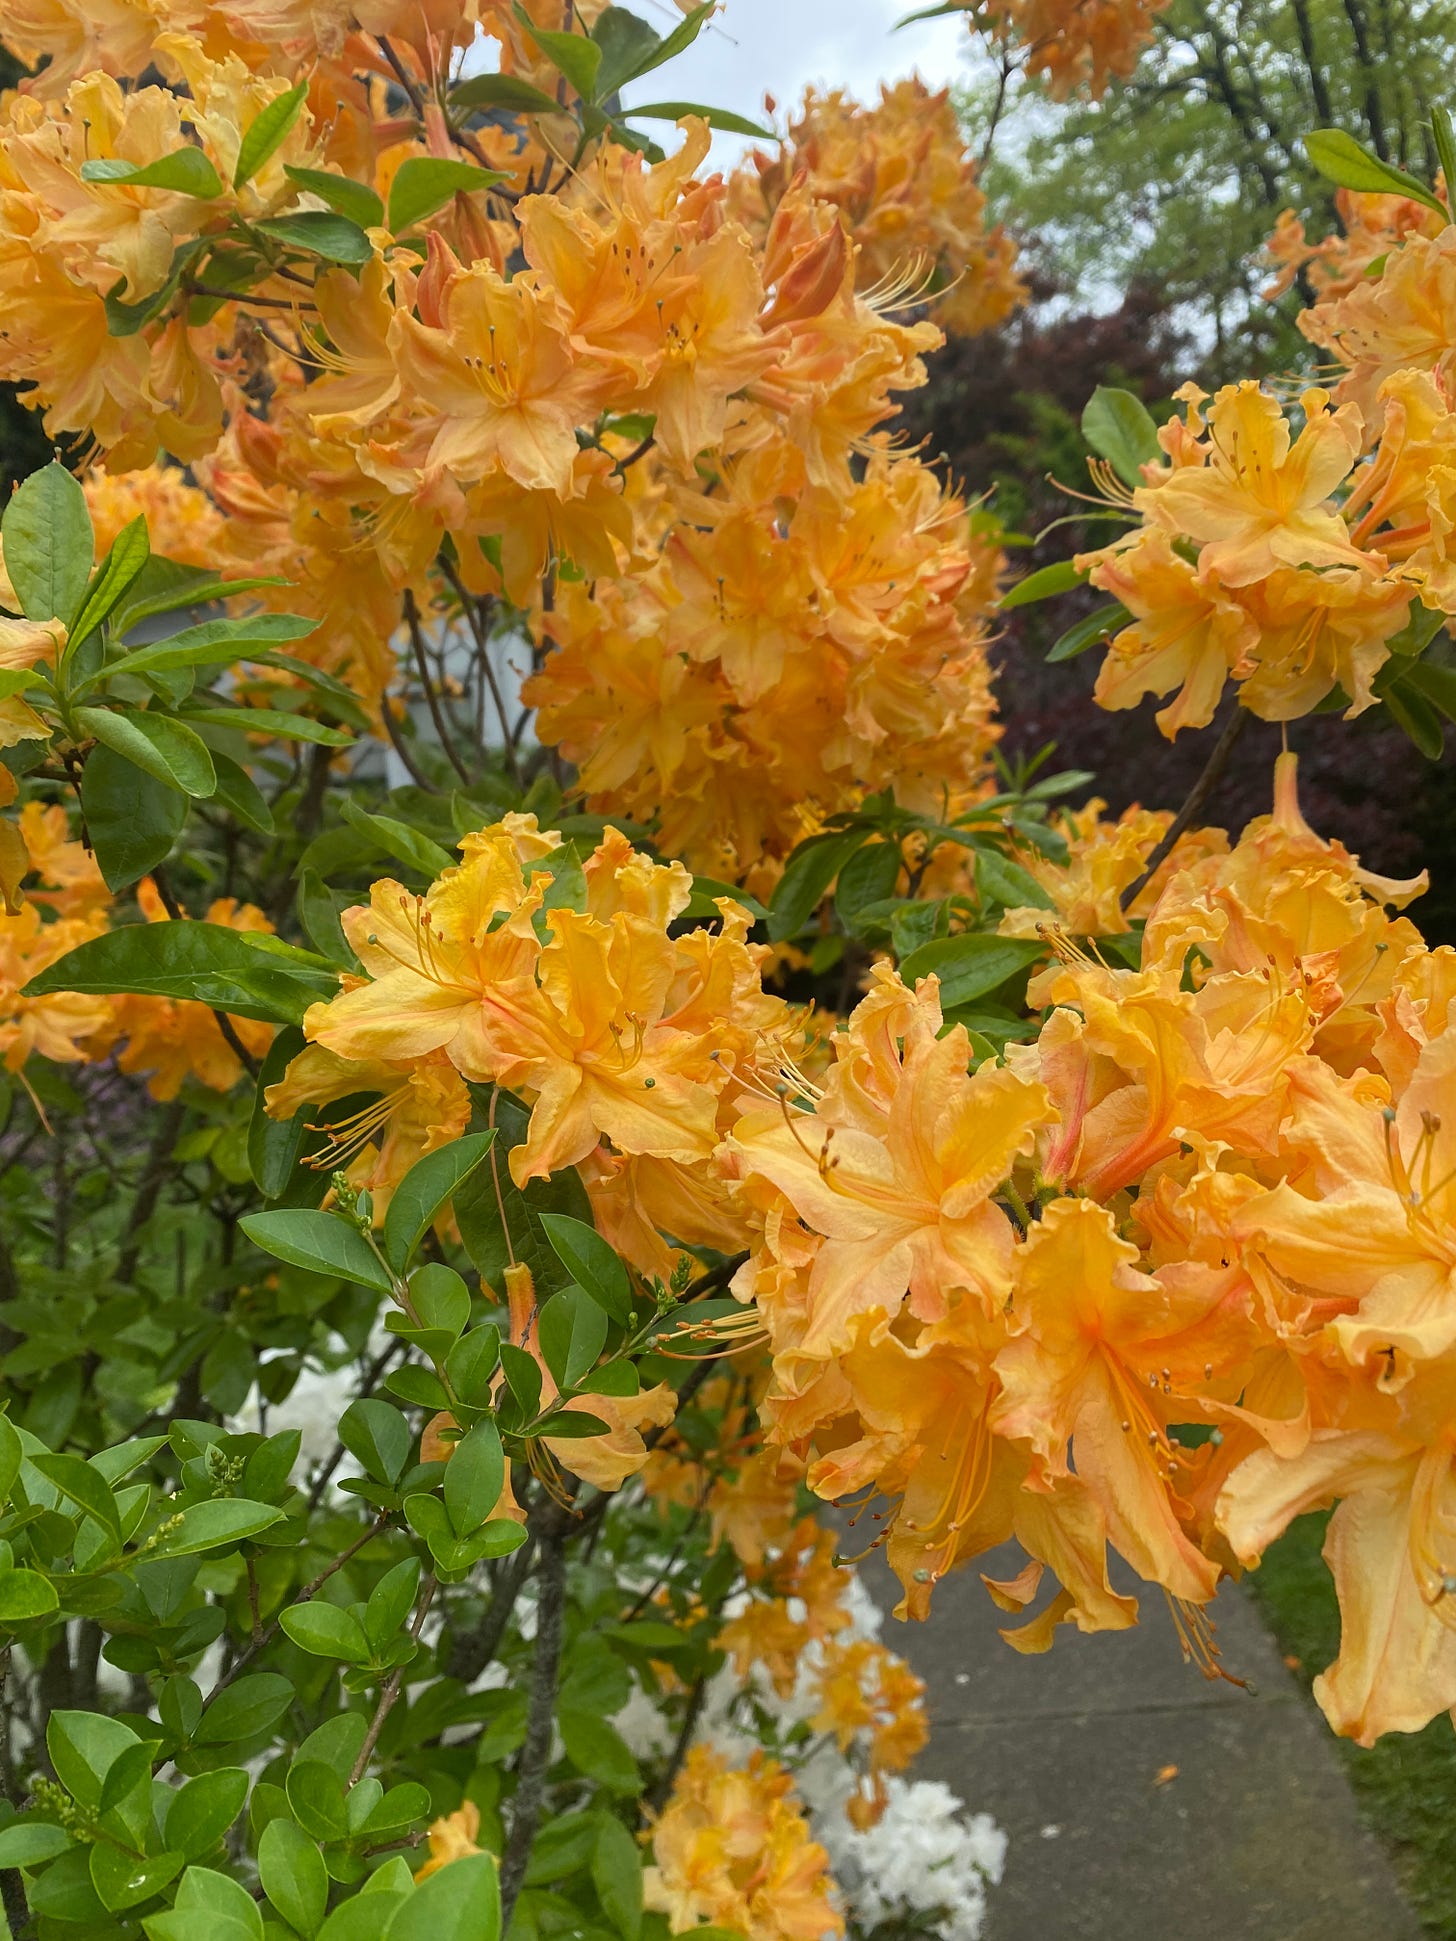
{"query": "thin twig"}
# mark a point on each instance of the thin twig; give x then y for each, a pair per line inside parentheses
(392, 1687)
(482, 648)
(1198, 795)
(397, 742)
(241, 1663)
(247, 296)
(402, 75)
(417, 642)
(536, 1748)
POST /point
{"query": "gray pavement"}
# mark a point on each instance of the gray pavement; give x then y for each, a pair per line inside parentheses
(1144, 1803)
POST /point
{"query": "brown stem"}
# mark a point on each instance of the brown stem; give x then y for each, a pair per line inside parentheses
(472, 1652)
(246, 296)
(536, 1748)
(397, 742)
(391, 1690)
(1198, 795)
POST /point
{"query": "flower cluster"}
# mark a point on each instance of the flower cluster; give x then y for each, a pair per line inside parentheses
(904, 182)
(1070, 44)
(1286, 561)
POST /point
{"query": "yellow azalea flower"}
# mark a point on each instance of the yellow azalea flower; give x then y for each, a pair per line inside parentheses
(418, 1108)
(453, 1837)
(67, 1027)
(1259, 500)
(1404, 319)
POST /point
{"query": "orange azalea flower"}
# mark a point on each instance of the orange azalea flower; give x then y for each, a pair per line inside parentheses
(66, 1027)
(1094, 1329)
(72, 884)
(1391, 1544)
(1405, 319)
(731, 1848)
(899, 1180)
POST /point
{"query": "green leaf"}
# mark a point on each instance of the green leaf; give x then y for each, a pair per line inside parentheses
(628, 45)
(129, 553)
(474, 1478)
(319, 915)
(1048, 581)
(82, 1484)
(245, 973)
(719, 118)
(275, 1146)
(352, 199)
(83, 1747)
(210, 642)
(1417, 633)
(390, 1603)
(1445, 147)
(479, 1203)
(572, 1330)
(1087, 632)
(397, 839)
(1120, 429)
(272, 721)
(1437, 684)
(426, 183)
(209, 1526)
(597, 1749)
(26, 1843)
(673, 44)
(202, 1811)
(321, 232)
(1339, 158)
(1414, 713)
(157, 744)
(591, 1263)
(970, 965)
(572, 55)
(239, 794)
(810, 870)
(24, 1596)
(11, 1456)
(49, 547)
(326, 1631)
(503, 91)
(252, 1705)
(999, 880)
(616, 1871)
(267, 132)
(440, 1298)
(325, 1243)
(186, 171)
(132, 819)
(868, 878)
(523, 1377)
(124, 1880)
(293, 1875)
(459, 1903)
(377, 1436)
(165, 586)
(426, 1188)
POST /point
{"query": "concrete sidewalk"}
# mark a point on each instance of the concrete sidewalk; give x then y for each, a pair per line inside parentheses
(1143, 1802)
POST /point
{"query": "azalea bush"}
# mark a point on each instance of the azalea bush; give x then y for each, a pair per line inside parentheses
(543, 1042)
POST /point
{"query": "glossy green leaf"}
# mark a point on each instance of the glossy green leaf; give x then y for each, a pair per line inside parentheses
(971, 965)
(272, 721)
(591, 1263)
(808, 873)
(426, 1189)
(572, 1330)
(267, 132)
(24, 1596)
(503, 91)
(326, 1631)
(211, 642)
(398, 839)
(1044, 584)
(132, 819)
(246, 973)
(114, 577)
(49, 547)
(459, 1903)
(345, 197)
(186, 171)
(474, 1478)
(377, 1436)
(158, 744)
(224, 1521)
(321, 232)
(616, 1872)
(200, 1813)
(325, 1243)
(719, 118)
(1120, 429)
(1341, 159)
(425, 183)
(1090, 631)
(572, 55)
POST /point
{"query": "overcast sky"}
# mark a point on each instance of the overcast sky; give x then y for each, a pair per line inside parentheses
(780, 46)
